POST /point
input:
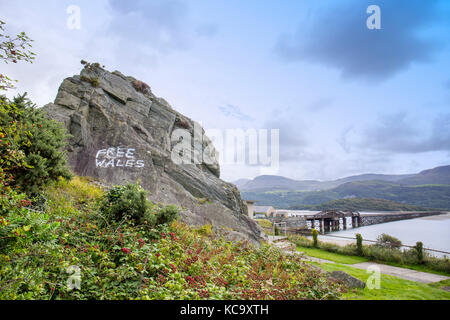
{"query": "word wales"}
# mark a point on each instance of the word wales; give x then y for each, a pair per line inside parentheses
(117, 158)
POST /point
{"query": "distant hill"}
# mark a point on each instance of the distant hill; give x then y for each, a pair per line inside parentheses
(439, 175)
(427, 189)
(379, 177)
(429, 196)
(241, 183)
(358, 204)
(266, 183)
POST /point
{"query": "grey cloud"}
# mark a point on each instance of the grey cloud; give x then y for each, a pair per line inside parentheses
(396, 134)
(292, 140)
(338, 38)
(150, 25)
(234, 112)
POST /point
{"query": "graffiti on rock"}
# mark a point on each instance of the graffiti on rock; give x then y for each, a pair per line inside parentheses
(118, 158)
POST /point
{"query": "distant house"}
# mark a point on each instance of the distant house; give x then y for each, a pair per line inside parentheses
(280, 213)
(258, 212)
(265, 210)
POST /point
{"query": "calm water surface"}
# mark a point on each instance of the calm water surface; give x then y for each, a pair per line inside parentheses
(433, 231)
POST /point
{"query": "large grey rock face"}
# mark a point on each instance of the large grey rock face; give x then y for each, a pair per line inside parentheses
(122, 133)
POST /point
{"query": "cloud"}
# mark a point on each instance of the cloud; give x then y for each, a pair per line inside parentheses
(153, 26)
(234, 112)
(396, 133)
(339, 38)
(292, 140)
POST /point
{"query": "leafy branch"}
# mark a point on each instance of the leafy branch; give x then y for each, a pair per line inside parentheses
(13, 49)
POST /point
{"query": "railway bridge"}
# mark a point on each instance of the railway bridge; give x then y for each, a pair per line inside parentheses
(335, 220)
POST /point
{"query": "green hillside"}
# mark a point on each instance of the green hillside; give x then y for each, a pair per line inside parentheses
(426, 196)
(358, 204)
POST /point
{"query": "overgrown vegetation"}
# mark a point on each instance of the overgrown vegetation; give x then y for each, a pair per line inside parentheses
(31, 146)
(409, 258)
(121, 257)
(266, 225)
(386, 241)
(315, 235)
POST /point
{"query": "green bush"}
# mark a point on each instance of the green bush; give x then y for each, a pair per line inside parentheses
(31, 145)
(438, 264)
(359, 245)
(167, 215)
(387, 241)
(315, 235)
(379, 253)
(128, 202)
(419, 250)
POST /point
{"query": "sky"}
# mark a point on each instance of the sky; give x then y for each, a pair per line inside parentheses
(346, 99)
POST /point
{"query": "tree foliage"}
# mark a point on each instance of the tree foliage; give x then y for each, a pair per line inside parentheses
(13, 49)
(387, 241)
(315, 235)
(359, 244)
(31, 146)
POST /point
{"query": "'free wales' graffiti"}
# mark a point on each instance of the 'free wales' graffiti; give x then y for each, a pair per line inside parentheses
(117, 158)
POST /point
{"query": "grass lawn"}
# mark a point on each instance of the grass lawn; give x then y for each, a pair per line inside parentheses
(336, 257)
(392, 288)
(341, 258)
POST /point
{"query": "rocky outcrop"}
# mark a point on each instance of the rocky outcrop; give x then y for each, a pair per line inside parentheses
(122, 133)
(349, 281)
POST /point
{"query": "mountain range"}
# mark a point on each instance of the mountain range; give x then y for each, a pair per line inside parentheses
(427, 189)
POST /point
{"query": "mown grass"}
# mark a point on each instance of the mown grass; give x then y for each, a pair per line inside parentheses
(391, 288)
(347, 259)
(394, 257)
(335, 257)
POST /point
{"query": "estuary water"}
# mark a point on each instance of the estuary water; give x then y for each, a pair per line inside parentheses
(433, 231)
